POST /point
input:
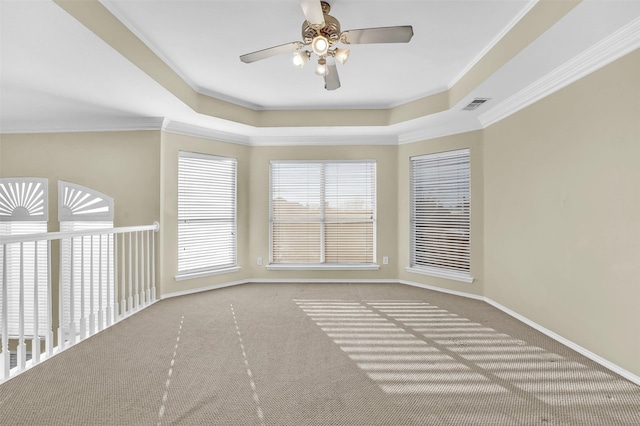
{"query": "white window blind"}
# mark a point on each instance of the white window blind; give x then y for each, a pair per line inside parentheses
(29, 274)
(206, 213)
(94, 255)
(81, 208)
(323, 212)
(24, 210)
(440, 212)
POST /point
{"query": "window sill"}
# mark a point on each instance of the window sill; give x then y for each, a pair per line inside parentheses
(321, 267)
(441, 274)
(188, 276)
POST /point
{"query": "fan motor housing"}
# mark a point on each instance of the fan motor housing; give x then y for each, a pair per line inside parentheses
(331, 30)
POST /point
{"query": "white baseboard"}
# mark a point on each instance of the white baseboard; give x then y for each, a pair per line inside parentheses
(585, 352)
(568, 343)
(442, 290)
(202, 289)
(274, 281)
(324, 280)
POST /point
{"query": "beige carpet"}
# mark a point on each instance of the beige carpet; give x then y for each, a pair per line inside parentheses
(319, 354)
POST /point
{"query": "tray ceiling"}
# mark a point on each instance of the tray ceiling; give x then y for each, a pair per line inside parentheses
(89, 65)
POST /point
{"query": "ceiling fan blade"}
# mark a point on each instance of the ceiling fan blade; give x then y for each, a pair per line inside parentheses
(272, 51)
(400, 34)
(312, 10)
(332, 80)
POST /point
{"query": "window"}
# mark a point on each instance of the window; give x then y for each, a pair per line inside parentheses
(79, 209)
(24, 210)
(206, 214)
(323, 212)
(440, 214)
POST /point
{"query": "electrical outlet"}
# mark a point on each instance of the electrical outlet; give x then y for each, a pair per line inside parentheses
(259, 262)
(385, 260)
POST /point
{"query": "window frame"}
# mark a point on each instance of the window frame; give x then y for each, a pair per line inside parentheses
(215, 270)
(448, 273)
(323, 265)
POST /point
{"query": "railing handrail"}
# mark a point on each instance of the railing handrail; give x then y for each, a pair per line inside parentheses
(48, 236)
(118, 276)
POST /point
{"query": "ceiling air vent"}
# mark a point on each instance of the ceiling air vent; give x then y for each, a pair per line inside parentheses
(475, 104)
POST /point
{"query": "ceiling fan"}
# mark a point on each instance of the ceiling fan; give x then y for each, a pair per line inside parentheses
(321, 32)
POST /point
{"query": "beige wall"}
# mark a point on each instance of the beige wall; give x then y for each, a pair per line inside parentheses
(562, 212)
(387, 243)
(122, 165)
(473, 141)
(171, 145)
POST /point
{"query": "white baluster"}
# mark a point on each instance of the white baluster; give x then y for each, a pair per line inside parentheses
(49, 335)
(148, 286)
(109, 300)
(123, 303)
(142, 270)
(141, 260)
(100, 303)
(136, 273)
(115, 278)
(72, 311)
(130, 277)
(61, 337)
(83, 314)
(92, 308)
(153, 265)
(35, 341)
(5, 367)
(123, 309)
(22, 348)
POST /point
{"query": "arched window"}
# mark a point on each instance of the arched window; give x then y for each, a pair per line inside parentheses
(81, 208)
(24, 210)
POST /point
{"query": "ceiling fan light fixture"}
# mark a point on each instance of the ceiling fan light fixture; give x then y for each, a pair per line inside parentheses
(320, 45)
(341, 55)
(320, 34)
(300, 58)
(322, 69)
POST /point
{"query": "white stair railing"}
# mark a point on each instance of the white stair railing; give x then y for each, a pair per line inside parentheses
(105, 276)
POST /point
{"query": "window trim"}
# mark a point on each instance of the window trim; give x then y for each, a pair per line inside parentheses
(324, 265)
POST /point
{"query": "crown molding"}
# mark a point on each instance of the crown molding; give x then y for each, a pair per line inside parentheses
(177, 127)
(328, 139)
(609, 49)
(492, 43)
(227, 98)
(120, 124)
(120, 17)
(417, 97)
(427, 132)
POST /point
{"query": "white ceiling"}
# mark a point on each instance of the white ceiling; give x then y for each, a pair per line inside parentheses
(203, 41)
(55, 74)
